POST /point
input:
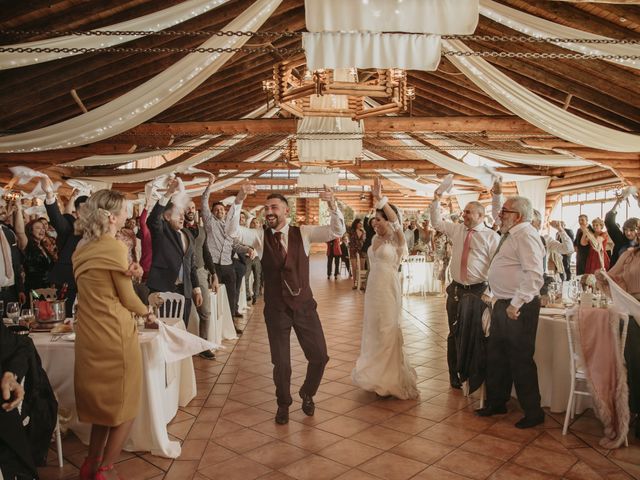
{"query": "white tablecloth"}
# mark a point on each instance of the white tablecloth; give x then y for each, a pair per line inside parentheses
(415, 275)
(552, 360)
(164, 388)
(220, 322)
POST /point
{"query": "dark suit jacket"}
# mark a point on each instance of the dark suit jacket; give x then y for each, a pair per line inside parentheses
(168, 256)
(16, 456)
(62, 271)
(620, 241)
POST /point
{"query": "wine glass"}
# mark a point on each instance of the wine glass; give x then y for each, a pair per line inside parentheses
(13, 311)
(27, 317)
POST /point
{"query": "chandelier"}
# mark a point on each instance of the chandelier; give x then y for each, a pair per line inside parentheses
(293, 94)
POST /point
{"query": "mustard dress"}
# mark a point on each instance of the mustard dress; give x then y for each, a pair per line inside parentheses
(108, 362)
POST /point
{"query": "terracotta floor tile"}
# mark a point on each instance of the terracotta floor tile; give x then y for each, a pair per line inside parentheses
(214, 454)
(182, 469)
(469, 464)
(319, 416)
(371, 414)
(582, 471)
(392, 467)
(435, 473)
(492, 447)
(407, 423)
(448, 434)
(314, 467)
(430, 411)
(201, 430)
(509, 432)
(344, 426)
(422, 450)
(511, 471)
(193, 449)
(547, 461)
(381, 437)
(276, 454)
(349, 452)
(355, 474)
(243, 440)
(312, 439)
(137, 468)
(249, 416)
(338, 405)
(238, 468)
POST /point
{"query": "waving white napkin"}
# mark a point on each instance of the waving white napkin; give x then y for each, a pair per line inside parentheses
(25, 174)
(445, 186)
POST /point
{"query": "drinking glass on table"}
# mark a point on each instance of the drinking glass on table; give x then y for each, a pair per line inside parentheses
(27, 317)
(13, 311)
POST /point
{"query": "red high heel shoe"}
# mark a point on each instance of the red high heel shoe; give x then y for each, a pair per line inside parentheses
(104, 468)
(89, 468)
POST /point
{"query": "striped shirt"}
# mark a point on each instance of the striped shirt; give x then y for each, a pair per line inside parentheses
(220, 244)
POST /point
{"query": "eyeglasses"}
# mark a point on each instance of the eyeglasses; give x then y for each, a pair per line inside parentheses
(504, 210)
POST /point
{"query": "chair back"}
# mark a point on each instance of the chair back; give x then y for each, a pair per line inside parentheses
(168, 305)
(575, 353)
(47, 293)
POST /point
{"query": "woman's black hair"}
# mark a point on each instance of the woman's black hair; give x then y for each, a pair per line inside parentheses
(384, 215)
(355, 223)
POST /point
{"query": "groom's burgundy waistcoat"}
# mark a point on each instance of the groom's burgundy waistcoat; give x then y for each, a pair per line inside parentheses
(286, 280)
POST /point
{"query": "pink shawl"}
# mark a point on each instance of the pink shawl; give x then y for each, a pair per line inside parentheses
(598, 335)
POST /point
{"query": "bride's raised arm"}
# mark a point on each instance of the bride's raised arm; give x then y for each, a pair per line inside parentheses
(382, 203)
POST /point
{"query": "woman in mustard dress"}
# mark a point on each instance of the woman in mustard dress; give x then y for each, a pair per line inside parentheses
(108, 362)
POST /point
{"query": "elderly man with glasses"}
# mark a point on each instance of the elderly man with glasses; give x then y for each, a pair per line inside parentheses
(515, 279)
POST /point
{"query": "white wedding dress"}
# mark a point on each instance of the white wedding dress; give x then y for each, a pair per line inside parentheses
(382, 366)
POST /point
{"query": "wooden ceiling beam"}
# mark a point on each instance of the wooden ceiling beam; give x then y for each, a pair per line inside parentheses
(460, 124)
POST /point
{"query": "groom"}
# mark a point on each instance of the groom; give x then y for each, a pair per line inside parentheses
(289, 303)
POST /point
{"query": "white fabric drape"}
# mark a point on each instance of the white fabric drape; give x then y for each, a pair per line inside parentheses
(154, 22)
(535, 109)
(147, 100)
(464, 198)
(371, 50)
(536, 159)
(312, 176)
(416, 16)
(153, 173)
(320, 147)
(461, 168)
(539, 27)
(536, 191)
(421, 189)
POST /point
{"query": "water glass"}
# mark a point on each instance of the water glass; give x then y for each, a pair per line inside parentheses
(13, 311)
(27, 317)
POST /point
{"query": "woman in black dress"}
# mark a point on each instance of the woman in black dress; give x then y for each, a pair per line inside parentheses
(37, 261)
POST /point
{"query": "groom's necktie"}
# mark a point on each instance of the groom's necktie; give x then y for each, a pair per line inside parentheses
(280, 245)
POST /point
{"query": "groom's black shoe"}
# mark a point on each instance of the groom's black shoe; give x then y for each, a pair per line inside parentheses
(455, 381)
(491, 410)
(308, 407)
(282, 415)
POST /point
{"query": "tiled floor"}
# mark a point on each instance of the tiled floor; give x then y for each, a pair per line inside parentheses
(228, 431)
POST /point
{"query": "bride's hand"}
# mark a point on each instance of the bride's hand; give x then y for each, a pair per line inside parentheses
(376, 190)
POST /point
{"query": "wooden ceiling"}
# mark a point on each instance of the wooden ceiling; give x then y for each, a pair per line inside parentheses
(446, 101)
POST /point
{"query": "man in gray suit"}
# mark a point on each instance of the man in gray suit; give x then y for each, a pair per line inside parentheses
(206, 271)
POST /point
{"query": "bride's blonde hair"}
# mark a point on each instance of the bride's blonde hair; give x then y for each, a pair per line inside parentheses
(93, 219)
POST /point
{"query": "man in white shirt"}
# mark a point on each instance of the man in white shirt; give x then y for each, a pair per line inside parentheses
(408, 235)
(473, 247)
(289, 303)
(515, 279)
(554, 249)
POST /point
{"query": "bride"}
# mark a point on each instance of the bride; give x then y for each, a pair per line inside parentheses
(382, 366)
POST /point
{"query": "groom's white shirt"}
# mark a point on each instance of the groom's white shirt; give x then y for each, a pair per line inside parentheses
(254, 238)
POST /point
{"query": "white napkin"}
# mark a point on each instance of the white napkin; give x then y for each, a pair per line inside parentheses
(179, 344)
(445, 186)
(25, 174)
(83, 188)
(38, 192)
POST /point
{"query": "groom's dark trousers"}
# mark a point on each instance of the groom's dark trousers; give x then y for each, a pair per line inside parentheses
(289, 304)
